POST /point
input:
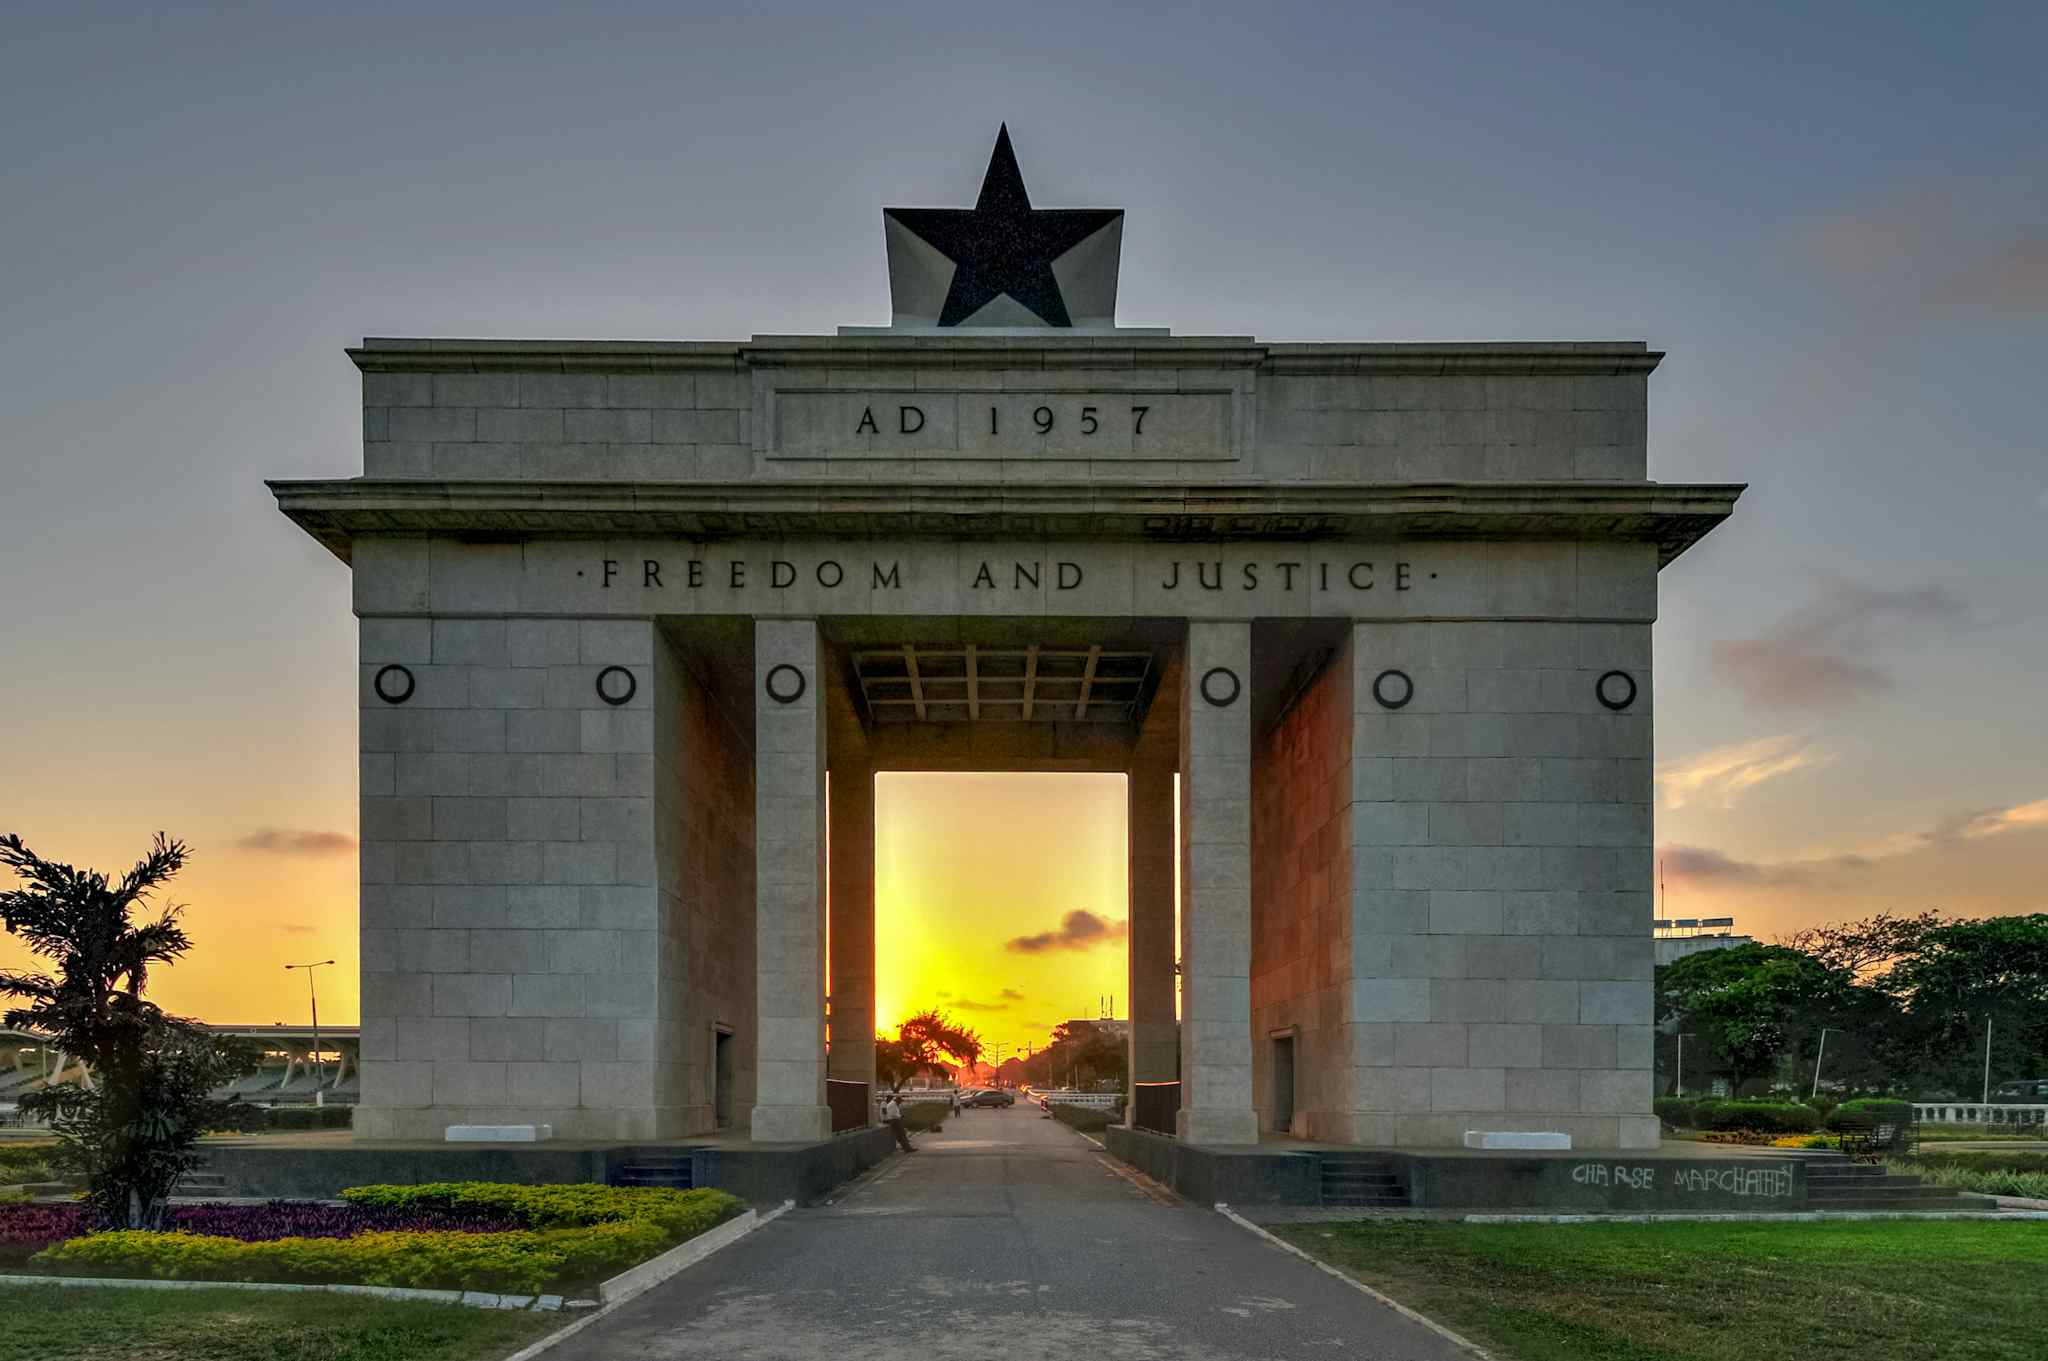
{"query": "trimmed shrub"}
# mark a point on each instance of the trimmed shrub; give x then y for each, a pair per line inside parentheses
(311, 1117)
(1864, 1112)
(26, 1229)
(926, 1117)
(512, 1238)
(1677, 1112)
(1086, 1119)
(527, 1261)
(27, 1162)
(286, 1119)
(1764, 1117)
(680, 1214)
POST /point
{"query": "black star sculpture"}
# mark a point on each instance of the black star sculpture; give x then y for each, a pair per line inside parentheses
(1003, 246)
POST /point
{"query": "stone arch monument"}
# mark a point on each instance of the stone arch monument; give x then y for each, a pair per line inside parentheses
(1385, 610)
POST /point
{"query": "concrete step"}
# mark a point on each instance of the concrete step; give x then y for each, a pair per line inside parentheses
(1890, 1194)
(1928, 1204)
(673, 1175)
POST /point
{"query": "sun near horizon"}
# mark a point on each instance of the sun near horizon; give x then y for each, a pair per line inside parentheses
(978, 880)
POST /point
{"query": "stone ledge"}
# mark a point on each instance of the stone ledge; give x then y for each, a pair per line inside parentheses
(1673, 516)
(381, 354)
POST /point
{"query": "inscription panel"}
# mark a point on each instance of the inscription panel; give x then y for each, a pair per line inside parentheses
(1177, 426)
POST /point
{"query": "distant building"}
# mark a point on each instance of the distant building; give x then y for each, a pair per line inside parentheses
(1676, 938)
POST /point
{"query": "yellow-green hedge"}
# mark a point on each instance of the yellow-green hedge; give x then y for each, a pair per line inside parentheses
(679, 1213)
(581, 1234)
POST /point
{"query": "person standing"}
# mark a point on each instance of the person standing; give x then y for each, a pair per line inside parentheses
(956, 1103)
(892, 1116)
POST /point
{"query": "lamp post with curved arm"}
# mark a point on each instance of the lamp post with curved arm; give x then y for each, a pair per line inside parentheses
(314, 998)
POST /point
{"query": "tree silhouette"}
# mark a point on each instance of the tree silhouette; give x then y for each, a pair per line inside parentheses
(132, 1132)
(927, 1042)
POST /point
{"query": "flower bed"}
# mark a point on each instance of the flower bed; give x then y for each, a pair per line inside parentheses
(467, 1236)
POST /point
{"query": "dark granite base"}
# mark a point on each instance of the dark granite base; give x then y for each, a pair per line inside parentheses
(1453, 1179)
(762, 1174)
(1601, 1181)
(1256, 1176)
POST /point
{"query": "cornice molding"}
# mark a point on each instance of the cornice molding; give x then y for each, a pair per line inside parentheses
(970, 351)
(1674, 517)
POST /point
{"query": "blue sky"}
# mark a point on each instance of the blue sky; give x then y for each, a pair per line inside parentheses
(1834, 218)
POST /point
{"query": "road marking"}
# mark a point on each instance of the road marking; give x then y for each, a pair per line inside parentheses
(1455, 1339)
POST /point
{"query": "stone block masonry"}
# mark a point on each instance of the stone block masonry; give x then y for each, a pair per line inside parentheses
(1391, 606)
(1501, 881)
(513, 941)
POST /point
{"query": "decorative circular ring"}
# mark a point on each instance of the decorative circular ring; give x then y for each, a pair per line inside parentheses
(1212, 686)
(1388, 701)
(785, 683)
(394, 684)
(610, 693)
(1600, 690)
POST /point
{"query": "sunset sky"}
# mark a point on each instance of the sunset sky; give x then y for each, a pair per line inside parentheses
(1831, 217)
(978, 883)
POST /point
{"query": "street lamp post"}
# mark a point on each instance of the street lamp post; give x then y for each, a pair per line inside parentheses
(1816, 1063)
(1678, 1082)
(314, 998)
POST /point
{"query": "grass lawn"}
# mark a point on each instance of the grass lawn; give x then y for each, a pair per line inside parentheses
(74, 1323)
(1896, 1290)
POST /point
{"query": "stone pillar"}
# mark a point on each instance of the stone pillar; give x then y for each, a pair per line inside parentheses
(512, 916)
(1215, 792)
(852, 963)
(789, 896)
(1155, 1044)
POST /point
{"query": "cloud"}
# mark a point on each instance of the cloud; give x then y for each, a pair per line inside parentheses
(1705, 865)
(1012, 995)
(280, 841)
(1991, 822)
(1079, 930)
(1824, 653)
(2012, 278)
(968, 1004)
(1720, 775)
(1954, 247)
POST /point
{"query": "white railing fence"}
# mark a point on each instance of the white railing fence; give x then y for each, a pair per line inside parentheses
(1978, 1113)
(1093, 1100)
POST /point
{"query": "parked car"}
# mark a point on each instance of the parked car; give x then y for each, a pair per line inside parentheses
(992, 1097)
(2026, 1092)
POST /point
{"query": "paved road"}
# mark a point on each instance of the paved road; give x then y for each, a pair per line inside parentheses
(1006, 1235)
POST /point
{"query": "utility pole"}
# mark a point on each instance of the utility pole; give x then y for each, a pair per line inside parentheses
(1987, 1061)
(1816, 1063)
(319, 1098)
(1678, 1083)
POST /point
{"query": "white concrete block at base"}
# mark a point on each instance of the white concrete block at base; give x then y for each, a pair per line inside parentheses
(499, 1134)
(1493, 1138)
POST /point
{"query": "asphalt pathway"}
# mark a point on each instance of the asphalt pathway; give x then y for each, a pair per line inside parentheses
(1005, 1235)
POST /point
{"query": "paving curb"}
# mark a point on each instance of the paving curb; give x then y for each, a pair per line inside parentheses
(475, 1299)
(1780, 1217)
(1457, 1340)
(620, 1290)
(637, 1280)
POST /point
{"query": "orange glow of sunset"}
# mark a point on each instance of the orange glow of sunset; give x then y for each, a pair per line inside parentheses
(978, 880)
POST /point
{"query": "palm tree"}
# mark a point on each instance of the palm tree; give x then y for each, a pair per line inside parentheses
(132, 1132)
